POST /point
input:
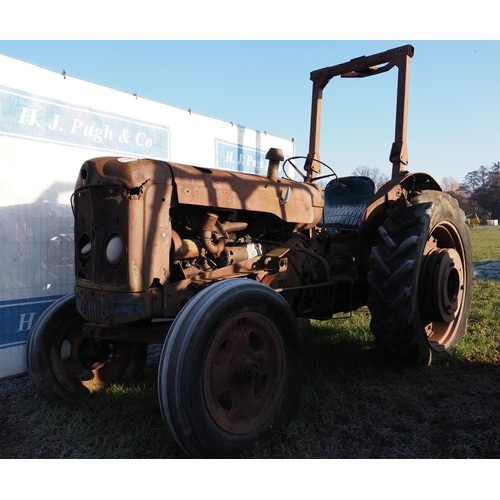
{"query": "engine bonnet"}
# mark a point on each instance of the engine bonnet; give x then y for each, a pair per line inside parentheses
(293, 202)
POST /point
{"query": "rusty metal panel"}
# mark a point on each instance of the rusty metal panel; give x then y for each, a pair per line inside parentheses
(130, 173)
(111, 308)
(289, 200)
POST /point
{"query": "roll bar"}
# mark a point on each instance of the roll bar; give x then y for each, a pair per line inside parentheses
(362, 67)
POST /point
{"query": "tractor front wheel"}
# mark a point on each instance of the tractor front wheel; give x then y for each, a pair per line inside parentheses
(62, 362)
(230, 370)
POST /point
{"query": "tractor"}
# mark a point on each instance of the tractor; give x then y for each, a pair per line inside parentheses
(218, 266)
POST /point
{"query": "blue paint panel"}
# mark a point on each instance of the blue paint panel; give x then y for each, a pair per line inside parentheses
(48, 120)
(231, 156)
(17, 317)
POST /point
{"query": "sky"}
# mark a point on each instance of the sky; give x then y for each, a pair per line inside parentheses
(264, 85)
(257, 74)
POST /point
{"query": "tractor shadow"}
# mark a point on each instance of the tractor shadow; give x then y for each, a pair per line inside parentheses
(355, 404)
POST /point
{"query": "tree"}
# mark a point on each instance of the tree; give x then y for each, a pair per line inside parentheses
(374, 174)
(450, 184)
(480, 192)
(471, 181)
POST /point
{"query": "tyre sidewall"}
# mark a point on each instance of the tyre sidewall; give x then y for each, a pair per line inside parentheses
(42, 339)
(445, 208)
(184, 379)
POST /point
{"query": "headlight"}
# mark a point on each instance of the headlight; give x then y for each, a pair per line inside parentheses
(114, 249)
(87, 248)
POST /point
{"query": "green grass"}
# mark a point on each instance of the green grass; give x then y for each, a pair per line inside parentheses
(485, 243)
(353, 404)
(123, 421)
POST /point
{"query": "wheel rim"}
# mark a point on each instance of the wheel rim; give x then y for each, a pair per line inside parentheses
(79, 362)
(442, 285)
(244, 373)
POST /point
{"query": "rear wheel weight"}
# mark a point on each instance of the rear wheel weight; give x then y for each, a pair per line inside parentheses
(231, 370)
(421, 280)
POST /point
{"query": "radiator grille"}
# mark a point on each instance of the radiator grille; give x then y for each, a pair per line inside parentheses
(93, 311)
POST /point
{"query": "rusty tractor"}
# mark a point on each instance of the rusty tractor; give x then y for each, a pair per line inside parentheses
(218, 265)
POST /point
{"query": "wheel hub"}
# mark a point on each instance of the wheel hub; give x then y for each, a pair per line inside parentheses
(244, 373)
(251, 372)
(443, 285)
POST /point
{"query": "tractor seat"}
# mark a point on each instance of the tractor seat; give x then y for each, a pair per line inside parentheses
(345, 204)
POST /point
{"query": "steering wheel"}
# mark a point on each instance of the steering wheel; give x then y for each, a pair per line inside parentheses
(304, 177)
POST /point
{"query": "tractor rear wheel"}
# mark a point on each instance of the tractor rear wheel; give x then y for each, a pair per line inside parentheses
(62, 362)
(421, 280)
(230, 371)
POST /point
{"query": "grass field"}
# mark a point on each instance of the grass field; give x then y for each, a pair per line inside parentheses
(353, 404)
(485, 243)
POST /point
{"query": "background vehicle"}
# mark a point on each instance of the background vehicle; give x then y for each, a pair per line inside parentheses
(218, 265)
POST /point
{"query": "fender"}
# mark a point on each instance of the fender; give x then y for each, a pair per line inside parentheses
(400, 188)
(376, 211)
